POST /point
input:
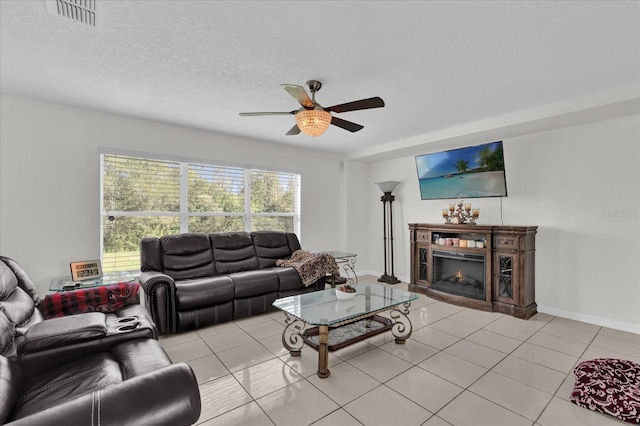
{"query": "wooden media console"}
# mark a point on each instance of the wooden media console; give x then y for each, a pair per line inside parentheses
(491, 268)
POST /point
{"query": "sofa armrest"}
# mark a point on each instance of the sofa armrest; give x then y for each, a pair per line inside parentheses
(159, 298)
(141, 400)
(11, 378)
(62, 331)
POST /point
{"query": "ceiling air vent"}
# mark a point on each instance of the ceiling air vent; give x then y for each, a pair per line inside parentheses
(85, 11)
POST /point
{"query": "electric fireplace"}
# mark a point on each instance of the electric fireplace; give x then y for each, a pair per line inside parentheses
(461, 274)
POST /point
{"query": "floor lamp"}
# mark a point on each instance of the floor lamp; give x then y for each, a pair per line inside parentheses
(387, 217)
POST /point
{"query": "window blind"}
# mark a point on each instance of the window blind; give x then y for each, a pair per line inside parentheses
(148, 197)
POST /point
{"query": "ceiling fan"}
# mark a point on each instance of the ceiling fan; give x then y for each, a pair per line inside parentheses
(313, 119)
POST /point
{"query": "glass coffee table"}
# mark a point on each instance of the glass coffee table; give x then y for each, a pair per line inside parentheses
(323, 310)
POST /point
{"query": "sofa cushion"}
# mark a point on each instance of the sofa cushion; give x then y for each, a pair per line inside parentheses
(65, 383)
(199, 292)
(24, 282)
(15, 302)
(8, 281)
(233, 252)
(150, 254)
(63, 331)
(202, 317)
(288, 278)
(7, 334)
(254, 283)
(270, 246)
(294, 243)
(187, 256)
(18, 307)
(10, 379)
(149, 357)
(247, 306)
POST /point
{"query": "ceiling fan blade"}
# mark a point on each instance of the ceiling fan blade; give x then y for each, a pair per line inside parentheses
(294, 130)
(299, 94)
(347, 125)
(356, 105)
(250, 114)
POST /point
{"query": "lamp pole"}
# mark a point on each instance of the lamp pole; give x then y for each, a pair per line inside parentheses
(387, 229)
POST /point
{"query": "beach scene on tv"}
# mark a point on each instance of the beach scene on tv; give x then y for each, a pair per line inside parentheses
(476, 171)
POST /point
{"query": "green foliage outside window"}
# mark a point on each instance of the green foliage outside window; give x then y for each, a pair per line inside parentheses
(141, 197)
(211, 224)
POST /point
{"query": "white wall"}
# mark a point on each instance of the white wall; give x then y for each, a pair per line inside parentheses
(581, 187)
(357, 202)
(50, 180)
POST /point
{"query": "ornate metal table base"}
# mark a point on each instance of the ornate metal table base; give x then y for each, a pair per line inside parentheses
(293, 341)
(402, 327)
(348, 264)
(292, 336)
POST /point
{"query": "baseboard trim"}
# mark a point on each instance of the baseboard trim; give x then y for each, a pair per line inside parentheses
(591, 319)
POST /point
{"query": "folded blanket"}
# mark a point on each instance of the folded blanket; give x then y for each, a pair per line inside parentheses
(311, 266)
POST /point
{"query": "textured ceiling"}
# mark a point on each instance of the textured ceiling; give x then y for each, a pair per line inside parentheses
(437, 65)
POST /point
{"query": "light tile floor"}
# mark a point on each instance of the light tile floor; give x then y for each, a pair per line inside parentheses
(460, 367)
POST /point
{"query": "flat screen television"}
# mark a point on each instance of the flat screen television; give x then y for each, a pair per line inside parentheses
(471, 172)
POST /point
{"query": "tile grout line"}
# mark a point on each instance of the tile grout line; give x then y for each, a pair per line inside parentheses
(567, 375)
(487, 372)
(412, 364)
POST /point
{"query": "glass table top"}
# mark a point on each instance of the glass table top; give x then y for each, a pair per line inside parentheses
(65, 283)
(340, 254)
(324, 308)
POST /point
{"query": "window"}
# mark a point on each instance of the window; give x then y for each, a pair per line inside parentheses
(149, 197)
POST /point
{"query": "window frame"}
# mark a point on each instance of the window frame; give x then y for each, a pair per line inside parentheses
(183, 212)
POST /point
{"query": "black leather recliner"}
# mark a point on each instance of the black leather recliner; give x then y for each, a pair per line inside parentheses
(21, 303)
(88, 368)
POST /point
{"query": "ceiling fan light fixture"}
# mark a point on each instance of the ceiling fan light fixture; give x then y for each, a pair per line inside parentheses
(313, 122)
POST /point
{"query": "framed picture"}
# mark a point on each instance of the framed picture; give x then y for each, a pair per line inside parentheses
(86, 270)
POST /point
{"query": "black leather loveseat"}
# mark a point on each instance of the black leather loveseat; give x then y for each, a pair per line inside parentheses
(194, 280)
(85, 369)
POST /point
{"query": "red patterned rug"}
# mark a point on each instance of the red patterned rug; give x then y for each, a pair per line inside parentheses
(609, 386)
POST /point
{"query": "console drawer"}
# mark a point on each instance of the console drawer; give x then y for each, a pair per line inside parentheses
(422, 236)
(510, 241)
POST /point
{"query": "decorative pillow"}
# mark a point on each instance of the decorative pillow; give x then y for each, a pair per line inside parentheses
(609, 386)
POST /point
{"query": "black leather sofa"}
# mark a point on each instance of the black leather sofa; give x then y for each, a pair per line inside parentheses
(90, 368)
(194, 280)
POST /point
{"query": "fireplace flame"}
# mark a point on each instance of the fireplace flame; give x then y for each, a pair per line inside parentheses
(459, 276)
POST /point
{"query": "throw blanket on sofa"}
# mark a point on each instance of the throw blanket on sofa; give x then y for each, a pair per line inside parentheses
(108, 298)
(311, 266)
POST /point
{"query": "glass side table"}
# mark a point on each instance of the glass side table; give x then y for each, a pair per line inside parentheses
(66, 284)
(347, 262)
